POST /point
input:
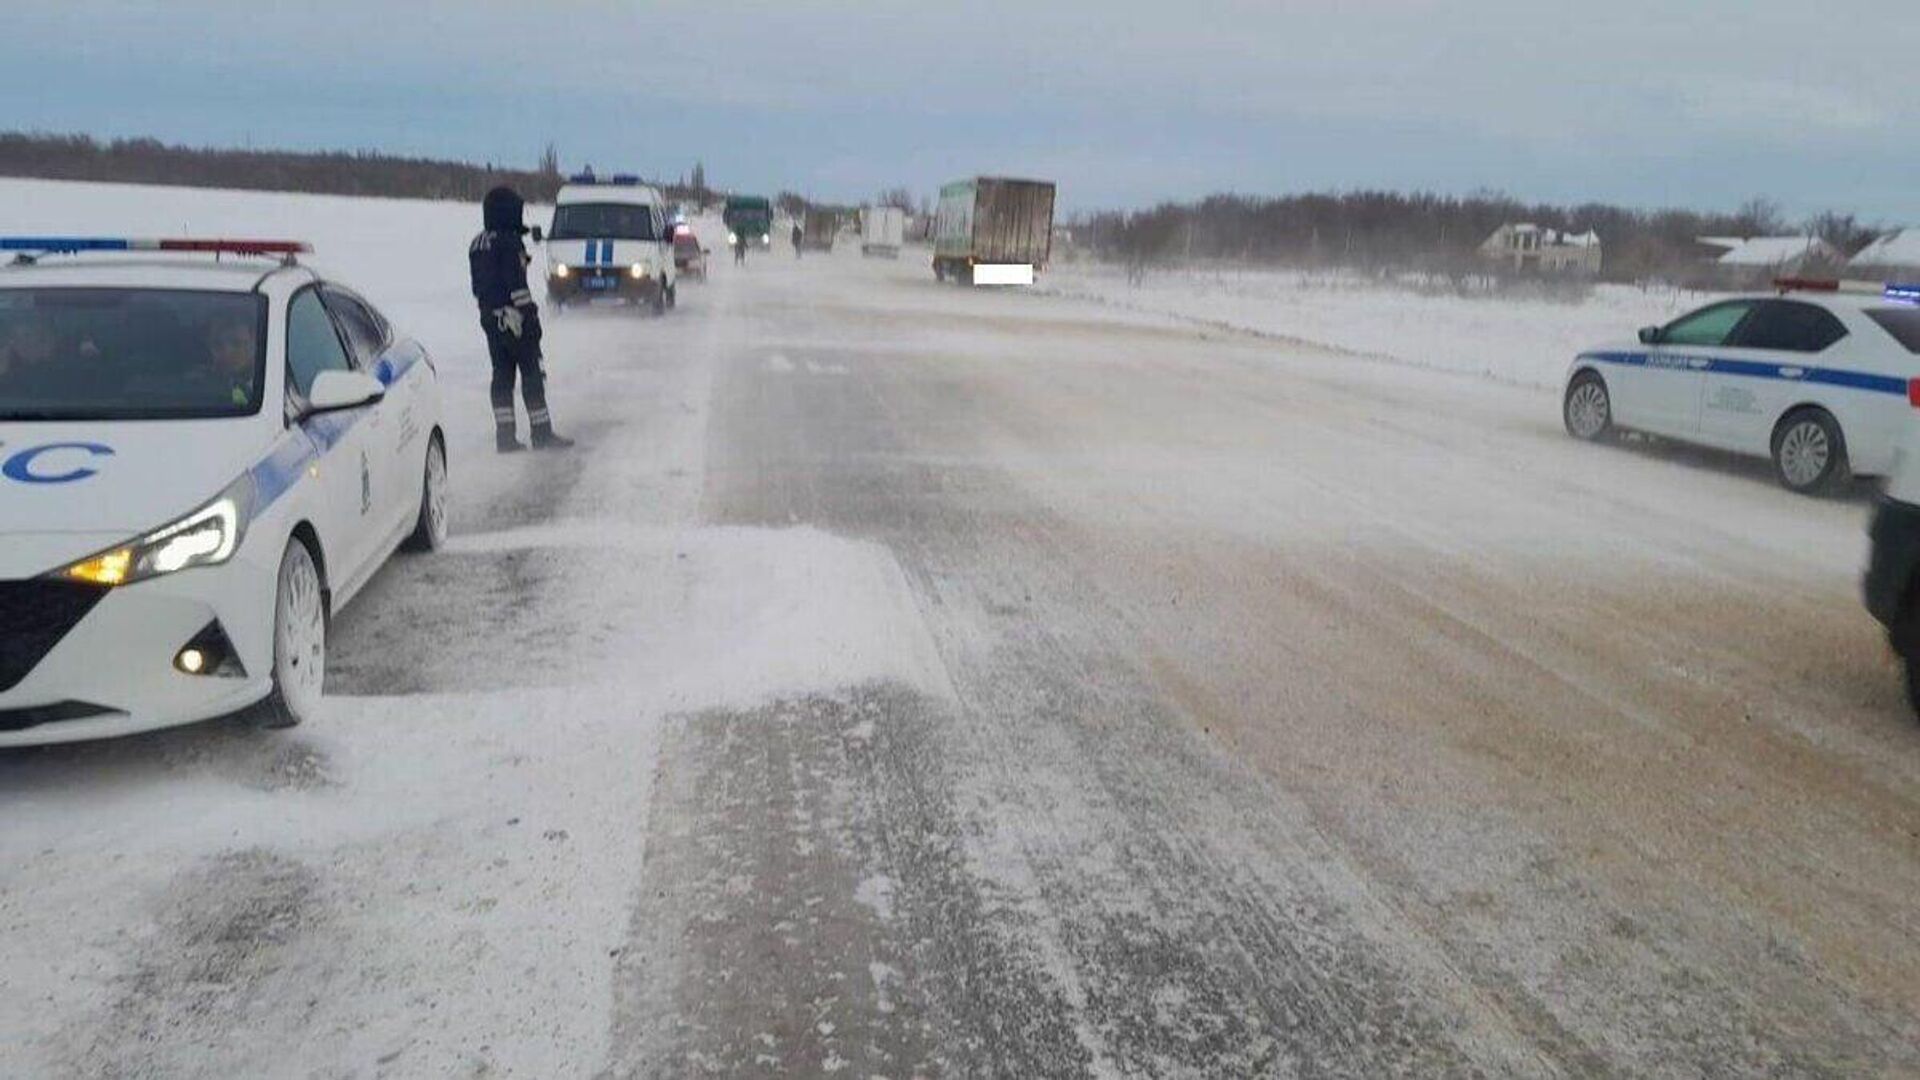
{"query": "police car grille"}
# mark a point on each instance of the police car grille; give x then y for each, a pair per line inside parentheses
(34, 616)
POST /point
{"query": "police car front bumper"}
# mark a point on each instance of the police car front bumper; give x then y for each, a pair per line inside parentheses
(598, 284)
(109, 669)
(1893, 567)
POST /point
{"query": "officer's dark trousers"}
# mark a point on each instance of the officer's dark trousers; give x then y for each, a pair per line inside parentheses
(513, 356)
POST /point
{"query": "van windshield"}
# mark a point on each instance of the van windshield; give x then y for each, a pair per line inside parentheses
(130, 354)
(603, 221)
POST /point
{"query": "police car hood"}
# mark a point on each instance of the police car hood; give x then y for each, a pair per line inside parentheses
(69, 489)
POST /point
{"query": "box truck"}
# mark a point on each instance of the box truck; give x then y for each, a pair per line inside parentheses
(817, 229)
(993, 230)
(882, 230)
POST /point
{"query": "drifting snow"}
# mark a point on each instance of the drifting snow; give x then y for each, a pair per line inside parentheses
(1518, 339)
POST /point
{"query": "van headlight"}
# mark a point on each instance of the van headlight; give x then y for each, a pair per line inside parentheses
(733, 237)
(207, 537)
(561, 270)
(638, 270)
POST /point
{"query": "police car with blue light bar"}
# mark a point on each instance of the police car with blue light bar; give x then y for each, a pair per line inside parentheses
(611, 239)
(1821, 376)
(201, 460)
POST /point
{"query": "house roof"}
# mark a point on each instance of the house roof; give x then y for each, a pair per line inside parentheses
(1900, 248)
(1773, 250)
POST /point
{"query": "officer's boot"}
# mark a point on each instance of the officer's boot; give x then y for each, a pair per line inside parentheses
(504, 439)
(544, 437)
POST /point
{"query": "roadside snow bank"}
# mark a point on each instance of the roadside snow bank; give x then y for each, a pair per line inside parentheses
(1519, 340)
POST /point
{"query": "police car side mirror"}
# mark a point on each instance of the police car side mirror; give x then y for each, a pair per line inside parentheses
(334, 391)
(1649, 335)
(538, 236)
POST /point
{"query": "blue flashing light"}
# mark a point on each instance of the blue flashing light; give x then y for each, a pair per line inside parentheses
(63, 245)
(625, 180)
(1909, 293)
(582, 178)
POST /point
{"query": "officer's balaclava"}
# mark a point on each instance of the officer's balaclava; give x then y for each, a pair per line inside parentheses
(501, 210)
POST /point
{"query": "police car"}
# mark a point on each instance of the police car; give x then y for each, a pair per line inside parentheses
(201, 460)
(1819, 377)
(610, 240)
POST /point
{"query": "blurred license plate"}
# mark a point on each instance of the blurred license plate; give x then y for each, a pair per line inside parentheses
(601, 282)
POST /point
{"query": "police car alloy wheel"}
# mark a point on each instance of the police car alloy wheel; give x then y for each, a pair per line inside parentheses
(430, 531)
(299, 641)
(1589, 410)
(1809, 454)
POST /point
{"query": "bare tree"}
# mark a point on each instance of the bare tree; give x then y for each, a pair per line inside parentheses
(898, 197)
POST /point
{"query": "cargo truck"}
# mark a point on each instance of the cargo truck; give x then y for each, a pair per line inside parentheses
(992, 230)
(882, 230)
(748, 217)
(817, 229)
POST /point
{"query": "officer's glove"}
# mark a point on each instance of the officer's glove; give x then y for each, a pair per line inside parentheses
(509, 319)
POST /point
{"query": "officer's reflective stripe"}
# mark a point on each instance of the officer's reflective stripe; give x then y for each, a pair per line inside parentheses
(520, 296)
(1755, 369)
(538, 416)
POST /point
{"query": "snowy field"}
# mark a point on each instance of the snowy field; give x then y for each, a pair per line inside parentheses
(1230, 675)
(1520, 339)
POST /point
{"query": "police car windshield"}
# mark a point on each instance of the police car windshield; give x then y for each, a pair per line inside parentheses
(602, 221)
(130, 354)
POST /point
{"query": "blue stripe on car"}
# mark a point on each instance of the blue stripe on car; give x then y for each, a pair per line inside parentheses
(1754, 369)
(307, 441)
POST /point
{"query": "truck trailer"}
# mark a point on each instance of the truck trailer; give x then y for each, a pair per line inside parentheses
(817, 229)
(882, 230)
(993, 230)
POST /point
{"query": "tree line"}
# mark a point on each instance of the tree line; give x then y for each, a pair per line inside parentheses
(1431, 232)
(364, 172)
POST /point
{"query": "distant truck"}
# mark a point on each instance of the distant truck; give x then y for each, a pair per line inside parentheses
(749, 217)
(817, 230)
(882, 230)
(993, 230)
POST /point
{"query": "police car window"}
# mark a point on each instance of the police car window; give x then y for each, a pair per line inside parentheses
(1708, 326)
(365, 330)
(1791, 326)
(110, 354)
(603, 221)
(1901, 322)
(313, 345)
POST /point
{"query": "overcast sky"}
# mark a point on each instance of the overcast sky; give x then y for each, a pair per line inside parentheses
(1681, 102)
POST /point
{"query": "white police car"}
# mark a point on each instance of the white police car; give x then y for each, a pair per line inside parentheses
(610, 240)
(1819, 377)
(200, 461)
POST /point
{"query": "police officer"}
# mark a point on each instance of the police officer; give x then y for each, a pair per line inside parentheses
(798, 235)
(498, 261)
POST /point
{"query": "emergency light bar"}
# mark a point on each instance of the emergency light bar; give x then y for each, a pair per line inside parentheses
(617, 179)
(73, 245)
(1889, 290)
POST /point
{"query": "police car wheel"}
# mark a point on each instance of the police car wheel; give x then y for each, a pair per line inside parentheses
(1588, 409)
(430, 530)
(1809, 453)
(299, 641)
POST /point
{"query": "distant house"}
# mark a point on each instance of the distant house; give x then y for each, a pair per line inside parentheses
(1895, 256)
(1770, 254)
(1525, 246)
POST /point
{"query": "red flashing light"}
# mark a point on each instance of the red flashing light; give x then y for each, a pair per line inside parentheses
(238, 247)
(1913, 393)
(1801, 284)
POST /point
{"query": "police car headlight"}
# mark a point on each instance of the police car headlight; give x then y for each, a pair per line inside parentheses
(207, 537)
(638, 270)
(733, 238)
(561, 270)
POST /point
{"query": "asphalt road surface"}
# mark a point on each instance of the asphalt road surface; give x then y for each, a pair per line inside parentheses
(1227, 707)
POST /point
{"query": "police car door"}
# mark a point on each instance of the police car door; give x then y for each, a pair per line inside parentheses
(1773, 362)
(390, 423)
(342, 498)
(1675, 375)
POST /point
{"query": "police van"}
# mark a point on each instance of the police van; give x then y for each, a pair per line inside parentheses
(200, 463)
(1820, 376)
(610, 240)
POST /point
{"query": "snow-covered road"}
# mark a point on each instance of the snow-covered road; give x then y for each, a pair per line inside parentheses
(909, 681)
